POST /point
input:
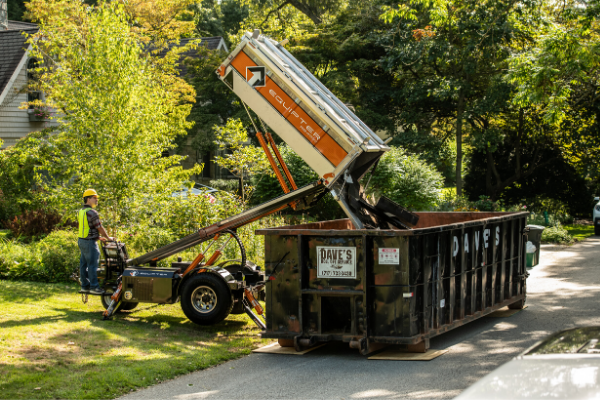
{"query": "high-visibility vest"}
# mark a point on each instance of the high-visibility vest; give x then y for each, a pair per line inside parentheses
(84, 226)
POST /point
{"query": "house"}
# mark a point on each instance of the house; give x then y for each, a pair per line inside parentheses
(15, 62)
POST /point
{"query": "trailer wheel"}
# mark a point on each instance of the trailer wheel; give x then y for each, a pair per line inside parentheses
(105, 299)
(206, 299)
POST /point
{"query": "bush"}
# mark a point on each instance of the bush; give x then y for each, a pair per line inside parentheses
(52, 259)
(34, 223)
(227, 185)
(147, 239)
(267, 187)
(556, 234)
(407, 180)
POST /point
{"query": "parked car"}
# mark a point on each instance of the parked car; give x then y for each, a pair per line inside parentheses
(197, 190)
(565, 365)
(596, 216)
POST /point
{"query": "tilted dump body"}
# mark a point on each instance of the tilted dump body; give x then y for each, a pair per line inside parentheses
(292, 102)
(319, 127)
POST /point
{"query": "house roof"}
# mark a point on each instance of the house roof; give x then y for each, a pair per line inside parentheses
(211, 43)
(12, 49)
(19, 25)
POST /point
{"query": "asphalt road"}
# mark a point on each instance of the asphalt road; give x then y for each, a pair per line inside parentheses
(562, 293)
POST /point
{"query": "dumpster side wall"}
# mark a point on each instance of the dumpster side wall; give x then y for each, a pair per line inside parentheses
(340, 285)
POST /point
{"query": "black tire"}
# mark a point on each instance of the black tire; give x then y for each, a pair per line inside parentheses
(596, 229)
(206, 299)
(105, 299)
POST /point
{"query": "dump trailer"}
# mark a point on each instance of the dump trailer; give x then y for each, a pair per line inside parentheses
(321, 129)
(384, 275)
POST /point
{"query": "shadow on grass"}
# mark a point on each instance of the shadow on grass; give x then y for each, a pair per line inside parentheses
(24, 291)
(161, 321)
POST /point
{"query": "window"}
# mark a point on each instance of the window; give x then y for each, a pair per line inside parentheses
(32, 78)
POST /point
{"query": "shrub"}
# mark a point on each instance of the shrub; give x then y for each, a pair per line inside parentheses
(556, 234)
(52, 259)
(407, 180)
(34, 223)
(267, 187)
(227, 185)
(148, 238)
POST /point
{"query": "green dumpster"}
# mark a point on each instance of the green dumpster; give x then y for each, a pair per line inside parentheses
(534, 241)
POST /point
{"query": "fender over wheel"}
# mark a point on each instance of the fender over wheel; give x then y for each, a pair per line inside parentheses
(206, 299)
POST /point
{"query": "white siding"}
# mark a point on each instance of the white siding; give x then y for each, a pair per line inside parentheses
(14, 123)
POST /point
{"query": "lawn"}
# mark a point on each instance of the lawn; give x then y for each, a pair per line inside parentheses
(580, 232)
(54, 346)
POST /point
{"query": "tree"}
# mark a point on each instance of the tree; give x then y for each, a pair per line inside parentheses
(244, 159)
(447, 57)
(557, 180)
(119, 111)
(405, 179)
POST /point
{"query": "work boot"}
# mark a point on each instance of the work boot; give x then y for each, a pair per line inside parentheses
(97, 291)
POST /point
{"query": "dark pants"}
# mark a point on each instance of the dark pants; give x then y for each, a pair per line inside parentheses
(88, 263)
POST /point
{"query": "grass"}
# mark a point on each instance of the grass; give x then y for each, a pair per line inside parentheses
(580, 232)
(54, 346)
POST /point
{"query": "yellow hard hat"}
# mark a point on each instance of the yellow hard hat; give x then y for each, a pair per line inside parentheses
(90, 192)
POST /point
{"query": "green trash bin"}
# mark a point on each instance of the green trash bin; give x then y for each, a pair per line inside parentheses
(534, 241)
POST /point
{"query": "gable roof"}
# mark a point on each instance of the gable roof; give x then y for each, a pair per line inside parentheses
(13, 49)
(211, 43)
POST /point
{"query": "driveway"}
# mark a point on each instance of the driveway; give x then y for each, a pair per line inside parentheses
(563, 292)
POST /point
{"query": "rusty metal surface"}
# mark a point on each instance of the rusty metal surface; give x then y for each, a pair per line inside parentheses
(442, 277)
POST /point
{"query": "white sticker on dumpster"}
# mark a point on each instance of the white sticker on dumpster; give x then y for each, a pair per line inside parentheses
(389, 256)
(336, 262)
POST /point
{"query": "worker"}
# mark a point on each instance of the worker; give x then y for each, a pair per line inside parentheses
(90, 229)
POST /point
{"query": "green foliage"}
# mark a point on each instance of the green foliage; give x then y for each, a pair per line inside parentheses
(52, 259)
(267, 187)
(215, 101)
(18, 189)
(244, 159)
(227, 185)
(562, 63)
(118, 115)
(407, 180)
(16, 9)
(556, 234)
(34, 223)
(556, 188)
